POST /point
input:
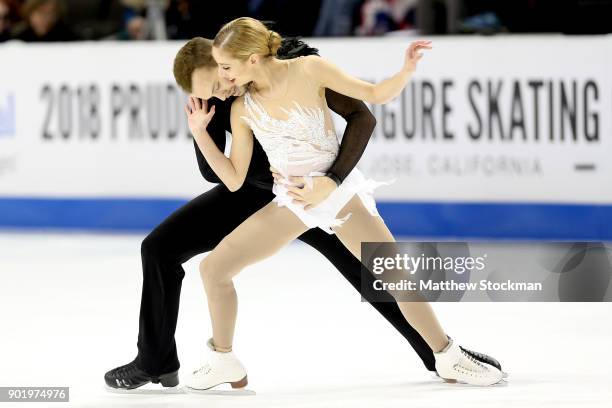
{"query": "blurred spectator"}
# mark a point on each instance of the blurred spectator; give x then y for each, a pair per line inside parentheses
(484, 23)
(514, 16)
(292, 18)
(337, 18)
(66, 20)
(44, 21)
(196, 18)
(143, 20)
(94, 19)
(8, 16)
(382, 16)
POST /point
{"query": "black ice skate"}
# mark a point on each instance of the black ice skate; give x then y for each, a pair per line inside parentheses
(130, 377)
(483, 358)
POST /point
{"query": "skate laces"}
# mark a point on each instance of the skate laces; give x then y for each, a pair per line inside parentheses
(469, 368)
(126, 370)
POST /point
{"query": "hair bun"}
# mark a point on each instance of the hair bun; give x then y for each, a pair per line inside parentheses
(274, 42)
(246, 36)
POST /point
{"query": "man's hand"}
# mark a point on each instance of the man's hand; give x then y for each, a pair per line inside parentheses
(302, 194)
(198, 115)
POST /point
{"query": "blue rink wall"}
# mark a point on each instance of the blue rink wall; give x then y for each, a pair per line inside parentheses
(542, 221)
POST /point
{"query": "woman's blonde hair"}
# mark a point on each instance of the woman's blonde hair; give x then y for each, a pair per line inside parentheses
(245, 36)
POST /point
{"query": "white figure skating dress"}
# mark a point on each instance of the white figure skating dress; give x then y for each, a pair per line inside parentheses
(301, 141)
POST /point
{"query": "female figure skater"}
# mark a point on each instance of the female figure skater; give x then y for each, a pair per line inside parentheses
(285, 108)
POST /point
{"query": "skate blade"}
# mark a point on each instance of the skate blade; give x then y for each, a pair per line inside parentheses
(212, 391)
(501, 383)
(147, 391)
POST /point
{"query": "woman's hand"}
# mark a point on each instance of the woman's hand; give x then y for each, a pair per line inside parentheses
(413, 55)
(307, 196)
(198, 115)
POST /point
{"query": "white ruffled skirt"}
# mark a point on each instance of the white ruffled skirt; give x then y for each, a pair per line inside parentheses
(324, 214)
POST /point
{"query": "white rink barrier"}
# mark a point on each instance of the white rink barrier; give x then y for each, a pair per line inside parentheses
(506, 136)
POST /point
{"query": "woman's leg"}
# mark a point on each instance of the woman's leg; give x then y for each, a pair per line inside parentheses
(261, 235)
(360, 227)
(177, 239)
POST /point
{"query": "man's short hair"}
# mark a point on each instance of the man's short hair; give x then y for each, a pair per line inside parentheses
(197, 53)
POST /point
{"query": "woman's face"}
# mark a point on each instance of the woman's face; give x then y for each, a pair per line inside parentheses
(206, 83)
(237, 72)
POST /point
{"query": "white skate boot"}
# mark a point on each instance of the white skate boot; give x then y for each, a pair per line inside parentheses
(455, 365)
(219, 368)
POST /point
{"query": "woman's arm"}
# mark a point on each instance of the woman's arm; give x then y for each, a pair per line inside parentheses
(216, 129)
(232, 171)
(205, 170)
(332, 77)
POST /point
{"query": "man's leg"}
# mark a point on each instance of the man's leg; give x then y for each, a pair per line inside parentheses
(350, 267)
(195, 228)
(452, 363)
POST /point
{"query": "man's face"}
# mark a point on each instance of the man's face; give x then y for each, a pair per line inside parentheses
(206, 83)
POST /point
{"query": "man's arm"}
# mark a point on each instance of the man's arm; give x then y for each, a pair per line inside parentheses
(360, 124)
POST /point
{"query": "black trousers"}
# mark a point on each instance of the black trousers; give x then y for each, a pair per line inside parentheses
(198, 227)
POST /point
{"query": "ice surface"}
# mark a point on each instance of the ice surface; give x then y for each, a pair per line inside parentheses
(69, 307)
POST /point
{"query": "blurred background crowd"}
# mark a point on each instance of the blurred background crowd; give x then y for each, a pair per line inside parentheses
(71, 20)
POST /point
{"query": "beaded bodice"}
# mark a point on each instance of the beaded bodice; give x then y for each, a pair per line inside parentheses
(302, 142)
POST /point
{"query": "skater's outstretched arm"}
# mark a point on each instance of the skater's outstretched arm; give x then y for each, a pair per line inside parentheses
(232, 171)
(330, 76)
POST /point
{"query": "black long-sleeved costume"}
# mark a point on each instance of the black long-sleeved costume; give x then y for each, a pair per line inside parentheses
(202, 223)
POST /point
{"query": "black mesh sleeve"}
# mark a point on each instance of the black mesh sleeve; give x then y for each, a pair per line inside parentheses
(360, 124)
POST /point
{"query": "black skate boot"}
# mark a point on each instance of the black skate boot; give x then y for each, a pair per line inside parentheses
(129, 377)
(483, 358)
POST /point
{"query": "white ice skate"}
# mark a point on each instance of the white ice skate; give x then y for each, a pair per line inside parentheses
(218, 368)
(455, 365)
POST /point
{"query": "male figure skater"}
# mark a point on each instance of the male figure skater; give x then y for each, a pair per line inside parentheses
(201, 224)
